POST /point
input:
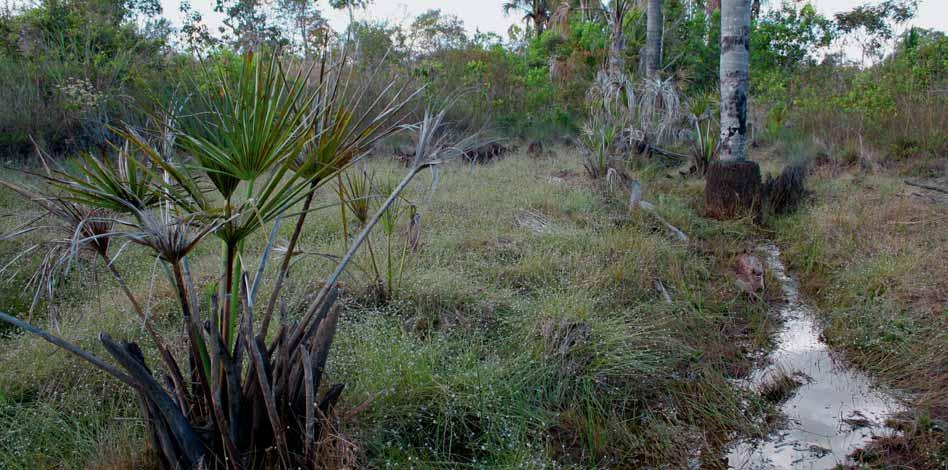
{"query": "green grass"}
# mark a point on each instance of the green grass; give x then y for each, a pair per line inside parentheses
(505, 346)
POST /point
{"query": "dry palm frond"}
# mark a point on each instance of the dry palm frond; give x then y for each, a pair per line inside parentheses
(535, 221)
(614, 94)
(659, 108)
(171, 237)
(75, 230)
(559, 19)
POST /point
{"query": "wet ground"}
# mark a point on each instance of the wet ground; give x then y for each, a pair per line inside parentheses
(835, 411)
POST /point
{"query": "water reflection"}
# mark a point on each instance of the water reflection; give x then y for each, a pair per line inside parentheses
(836, 411)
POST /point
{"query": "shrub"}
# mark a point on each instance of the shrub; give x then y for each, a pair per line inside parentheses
(235, 400)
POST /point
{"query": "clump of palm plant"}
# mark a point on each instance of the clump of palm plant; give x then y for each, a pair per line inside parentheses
(239, 397)
(706, 141)
(658, 108)
(604, 136)
(704, 147)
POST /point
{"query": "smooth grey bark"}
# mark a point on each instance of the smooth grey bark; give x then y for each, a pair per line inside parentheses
(653, 38)
(735, 59)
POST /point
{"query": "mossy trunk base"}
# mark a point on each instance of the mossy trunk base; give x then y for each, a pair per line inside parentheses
(732, 189)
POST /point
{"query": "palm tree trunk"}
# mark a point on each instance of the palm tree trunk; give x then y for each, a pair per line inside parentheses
(735, 59)
(733, 183)
(539, 14)
(653, 38)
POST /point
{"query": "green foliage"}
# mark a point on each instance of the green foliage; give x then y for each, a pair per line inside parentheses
(893, 106)
(70, 68)
(787, 38)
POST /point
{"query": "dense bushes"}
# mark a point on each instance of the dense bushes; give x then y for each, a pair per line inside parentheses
(891, 113)
(70, 68)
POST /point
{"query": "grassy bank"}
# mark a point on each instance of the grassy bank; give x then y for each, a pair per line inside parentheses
(871, 252)
(527, 331)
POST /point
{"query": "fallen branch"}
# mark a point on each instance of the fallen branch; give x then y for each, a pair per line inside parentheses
(636, 202)
(661, 289)
(925, 186)
(645, 146)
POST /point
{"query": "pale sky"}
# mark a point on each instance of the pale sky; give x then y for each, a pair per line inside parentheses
(487, 15)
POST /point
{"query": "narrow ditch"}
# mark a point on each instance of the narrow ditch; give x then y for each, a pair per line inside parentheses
(833, 410)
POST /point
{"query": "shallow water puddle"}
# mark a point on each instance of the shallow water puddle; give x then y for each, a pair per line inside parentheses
(837, 409)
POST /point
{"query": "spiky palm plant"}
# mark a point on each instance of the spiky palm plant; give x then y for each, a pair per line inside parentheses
(348, 120)
(704, 148)
(239, 398)
(658, 108)
(611, 102)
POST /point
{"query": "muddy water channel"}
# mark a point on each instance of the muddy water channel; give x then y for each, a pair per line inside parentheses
(834, 411)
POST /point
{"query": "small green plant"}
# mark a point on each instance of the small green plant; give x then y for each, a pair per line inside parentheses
(597, 143)
(705, 146)
(398, 252)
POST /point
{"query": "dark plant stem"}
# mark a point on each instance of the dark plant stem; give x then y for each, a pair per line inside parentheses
(230, 257)
(193, 328)
(163, 349)
(285, 265)
(203, 364)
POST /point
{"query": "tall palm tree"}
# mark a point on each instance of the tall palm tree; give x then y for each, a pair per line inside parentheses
(534, 11)
(733, 182)
(653, 38)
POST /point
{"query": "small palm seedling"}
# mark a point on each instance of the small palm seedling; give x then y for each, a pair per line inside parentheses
(597, 142)
(236, 397)
(706, 142)
(705, 146)
(398, 253)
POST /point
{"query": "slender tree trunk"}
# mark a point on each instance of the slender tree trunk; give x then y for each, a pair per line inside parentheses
(732, 187)
(735, 59)
(653, 38)
(617, 44)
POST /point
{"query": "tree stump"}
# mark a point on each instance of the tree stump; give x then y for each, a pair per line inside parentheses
(732, 189)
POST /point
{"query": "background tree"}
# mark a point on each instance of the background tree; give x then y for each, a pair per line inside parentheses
(615, 12)
(873, 25)
(305, 18)
(536, 12)
(653, 41)
(247, 24)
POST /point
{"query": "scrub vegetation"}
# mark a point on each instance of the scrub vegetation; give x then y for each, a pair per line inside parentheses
(401, 245)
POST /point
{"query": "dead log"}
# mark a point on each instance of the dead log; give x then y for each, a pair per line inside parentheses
(636, 202)
(928, 187)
